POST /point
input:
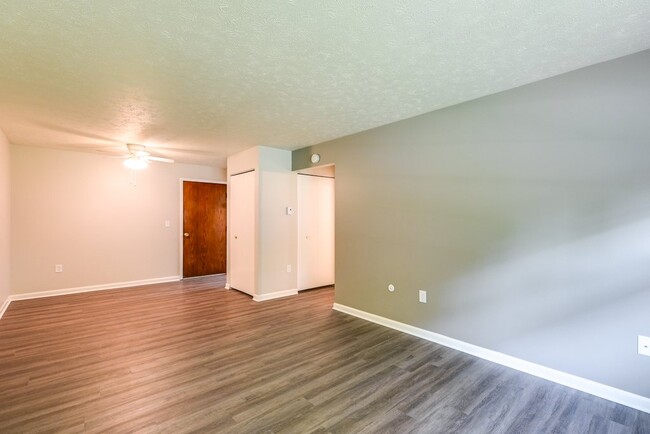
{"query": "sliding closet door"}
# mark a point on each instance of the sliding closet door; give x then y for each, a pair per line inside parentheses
(242, 232)
(315, 231)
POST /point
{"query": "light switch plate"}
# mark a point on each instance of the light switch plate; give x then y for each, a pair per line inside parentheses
(644, 345)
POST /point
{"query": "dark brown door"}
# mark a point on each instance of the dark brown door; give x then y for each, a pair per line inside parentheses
(204, 228)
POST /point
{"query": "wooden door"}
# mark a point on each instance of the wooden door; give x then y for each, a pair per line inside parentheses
(204, 228)
(315, 231)
(242, 232)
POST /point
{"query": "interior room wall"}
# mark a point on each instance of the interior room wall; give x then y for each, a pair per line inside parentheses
(275, 246)
(278, 230)
(525, 215)
(5, 221)
(84, 212)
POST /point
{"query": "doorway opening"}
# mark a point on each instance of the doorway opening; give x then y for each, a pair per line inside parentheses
(203, 228)
(316, 238)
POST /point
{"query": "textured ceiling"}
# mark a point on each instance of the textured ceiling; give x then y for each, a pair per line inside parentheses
(216, 77)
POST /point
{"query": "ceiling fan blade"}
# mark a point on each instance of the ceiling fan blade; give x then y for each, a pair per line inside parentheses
(179, 151)
(72, 132)
(113, 152)
(160, 159)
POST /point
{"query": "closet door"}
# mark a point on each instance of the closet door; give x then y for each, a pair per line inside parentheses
(315, 231)
(242, 232)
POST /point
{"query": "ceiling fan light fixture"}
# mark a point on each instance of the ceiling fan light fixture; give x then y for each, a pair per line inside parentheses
(136, 163)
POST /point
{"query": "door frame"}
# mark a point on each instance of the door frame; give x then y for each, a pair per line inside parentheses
(180, 219)
(298, 249)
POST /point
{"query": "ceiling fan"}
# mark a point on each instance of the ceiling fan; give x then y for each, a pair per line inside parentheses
(138, 157)
(97, 141)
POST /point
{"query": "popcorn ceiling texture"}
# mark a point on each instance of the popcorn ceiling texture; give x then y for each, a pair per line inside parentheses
(219, 77)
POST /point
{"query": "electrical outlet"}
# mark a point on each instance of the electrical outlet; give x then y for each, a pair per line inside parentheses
(644, 345)
(423, 296)
(58, 268)
(289, 268)
(167, 223)
(391, 287)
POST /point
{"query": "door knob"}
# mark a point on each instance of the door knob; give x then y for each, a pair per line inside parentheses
(186, 235)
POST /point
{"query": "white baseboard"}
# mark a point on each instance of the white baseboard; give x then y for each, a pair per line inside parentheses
(116, 285)
(597, 389)
(277, 294)
(4, 307)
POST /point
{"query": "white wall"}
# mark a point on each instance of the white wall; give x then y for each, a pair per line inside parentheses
(5, 225)
(275, 245)
(277, 236)
(82, 211)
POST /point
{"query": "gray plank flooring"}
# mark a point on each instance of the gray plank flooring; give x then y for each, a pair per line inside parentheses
(194, 357)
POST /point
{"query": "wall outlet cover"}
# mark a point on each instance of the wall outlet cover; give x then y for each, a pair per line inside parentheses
(423, 296)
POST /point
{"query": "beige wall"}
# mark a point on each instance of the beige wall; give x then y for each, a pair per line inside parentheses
(82, 211)
(5, 226)
(525, 215)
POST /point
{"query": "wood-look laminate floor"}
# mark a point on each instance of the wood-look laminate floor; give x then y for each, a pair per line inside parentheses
(192, 356)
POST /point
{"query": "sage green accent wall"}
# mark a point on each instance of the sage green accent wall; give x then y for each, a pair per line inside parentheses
(525, 215)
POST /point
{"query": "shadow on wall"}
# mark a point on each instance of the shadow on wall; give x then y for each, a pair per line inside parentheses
(560, 306)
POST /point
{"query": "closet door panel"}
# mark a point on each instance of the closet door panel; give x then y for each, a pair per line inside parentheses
(315, 231)
(242, 232)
